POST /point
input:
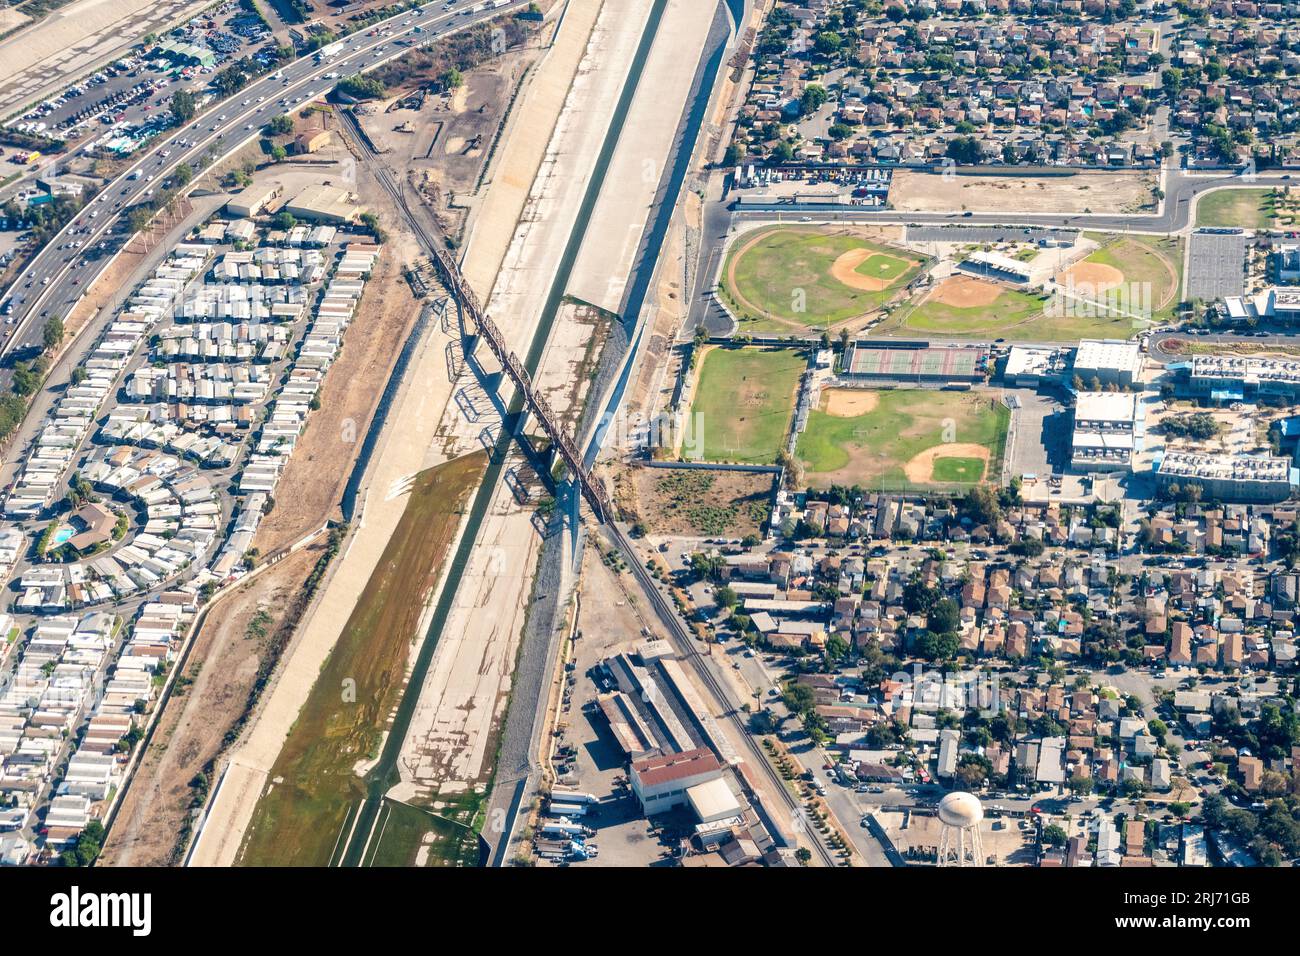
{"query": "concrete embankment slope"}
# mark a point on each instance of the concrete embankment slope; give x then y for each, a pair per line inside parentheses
(600, 276)
(409, 445)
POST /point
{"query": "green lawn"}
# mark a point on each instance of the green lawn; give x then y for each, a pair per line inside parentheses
(963, 470)
(879, 266)
(744, 400)
(1011, 308)
(1014, 317)
(1234, 206)
(780, 279)
(872, 449)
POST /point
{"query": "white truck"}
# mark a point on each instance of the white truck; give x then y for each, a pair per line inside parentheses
(569, 795)
(329, 50)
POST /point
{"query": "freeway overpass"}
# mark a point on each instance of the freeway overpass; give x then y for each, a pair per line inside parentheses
(56, 279)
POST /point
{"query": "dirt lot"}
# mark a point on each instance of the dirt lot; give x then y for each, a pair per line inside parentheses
(222, 667)
(442, 139)
(313, 482)
(694, 503)
(1098, 192)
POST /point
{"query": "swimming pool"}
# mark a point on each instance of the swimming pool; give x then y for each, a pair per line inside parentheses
(62, 534)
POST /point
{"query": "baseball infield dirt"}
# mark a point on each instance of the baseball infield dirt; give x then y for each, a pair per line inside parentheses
(965, 292)
(849, 402)
(920, 468)
(844, 270)
(1095, 274)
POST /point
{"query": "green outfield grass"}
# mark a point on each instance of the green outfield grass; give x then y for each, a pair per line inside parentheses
(879, 266)
(744, 400)
(1015, 317)
(960, 470)
(779, 279)
(1012, 308)
(1151, 260)
(873, 449)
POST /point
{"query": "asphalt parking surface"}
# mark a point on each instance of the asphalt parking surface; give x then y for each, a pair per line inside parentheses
(1216, 266)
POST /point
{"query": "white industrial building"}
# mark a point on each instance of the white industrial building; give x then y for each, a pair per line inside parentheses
(1108, 362)
(661, 782)
(1106, 431)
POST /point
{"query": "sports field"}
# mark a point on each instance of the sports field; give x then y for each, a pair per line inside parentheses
(906, 438)
(969, 307)
(1133, 277)
(963, 306)
(788, 279)
(744, 400)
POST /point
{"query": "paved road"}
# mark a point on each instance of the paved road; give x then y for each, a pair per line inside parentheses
(55, 280)
(722, 216)
(1174, 216)
(1160, 354)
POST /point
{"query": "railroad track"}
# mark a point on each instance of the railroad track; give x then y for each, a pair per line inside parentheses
(684, 642)
(667, 614)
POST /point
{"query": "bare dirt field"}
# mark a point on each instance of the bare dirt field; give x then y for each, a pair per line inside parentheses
(442, 141)
(920, 468)
(313, 482)
(849, 402)
(218, 677)
(966, 292)
(1098, 192)
(11, 18)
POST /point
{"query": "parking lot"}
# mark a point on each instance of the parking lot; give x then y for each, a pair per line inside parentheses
(1038, 441)
(986, 234)
(1216, 266)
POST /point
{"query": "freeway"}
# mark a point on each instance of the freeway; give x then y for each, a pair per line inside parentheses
(55, 280)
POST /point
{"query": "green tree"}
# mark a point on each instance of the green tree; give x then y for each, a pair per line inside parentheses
(937, 647)
(86, 850)
(183, 106)
(280, 125)
(725, 598)
(798, 698)
(52, 334)
(945, 616)
(814, 95)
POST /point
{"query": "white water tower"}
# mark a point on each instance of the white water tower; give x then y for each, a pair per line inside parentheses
(959, 841)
